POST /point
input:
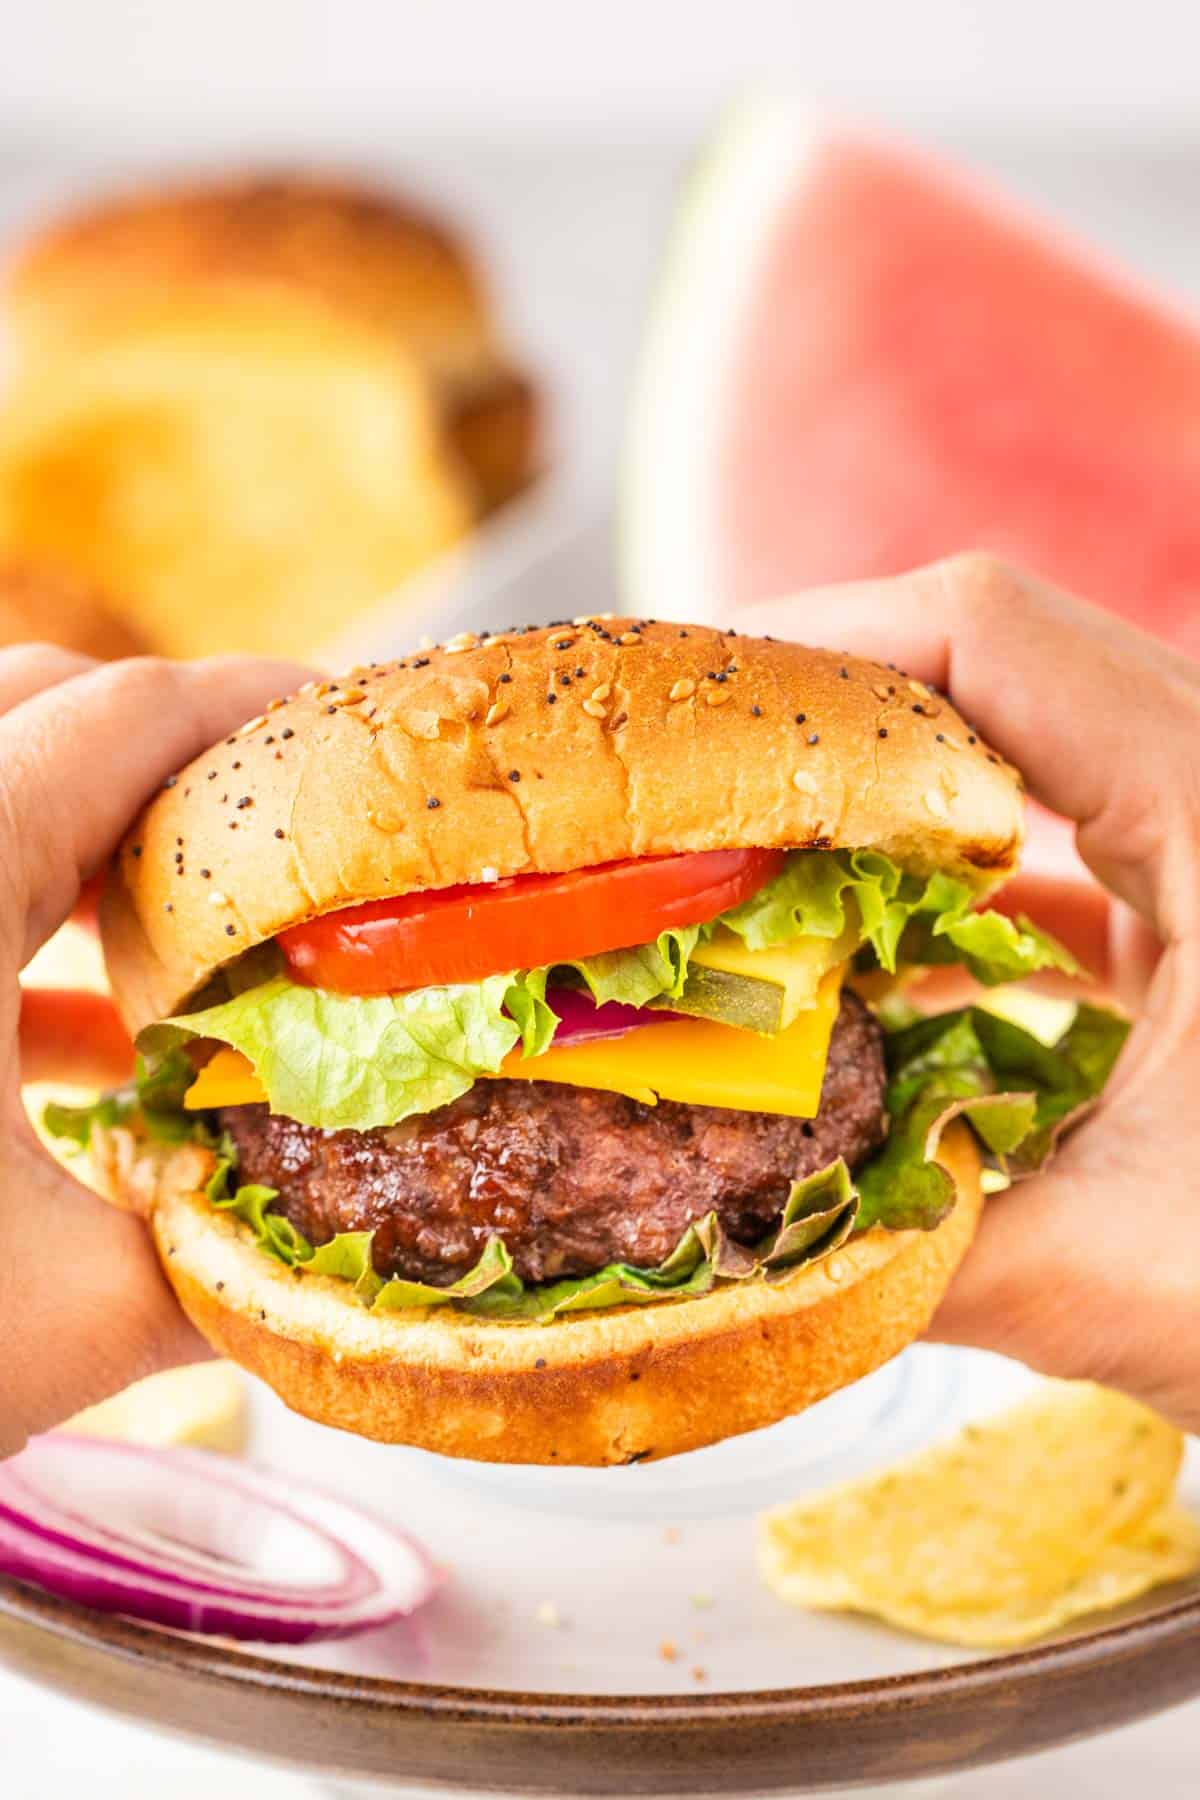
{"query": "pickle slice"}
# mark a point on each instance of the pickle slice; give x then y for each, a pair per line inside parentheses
(740, 1000)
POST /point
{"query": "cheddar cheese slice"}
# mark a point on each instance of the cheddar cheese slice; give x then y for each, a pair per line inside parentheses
(228, 1079)
(693, 1060)
(701, 1062)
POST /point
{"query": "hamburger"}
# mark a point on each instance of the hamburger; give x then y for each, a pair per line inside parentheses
(366, 254)
(245, 407)
(524, 1069)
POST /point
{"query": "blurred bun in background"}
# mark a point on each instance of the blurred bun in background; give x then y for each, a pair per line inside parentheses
(369, 254)
(247, 409)
(52, 606)
(241, 467)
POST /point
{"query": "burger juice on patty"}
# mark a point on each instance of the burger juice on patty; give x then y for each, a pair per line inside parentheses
(568, 1178)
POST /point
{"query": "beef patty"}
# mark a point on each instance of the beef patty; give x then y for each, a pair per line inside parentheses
(570, 1178)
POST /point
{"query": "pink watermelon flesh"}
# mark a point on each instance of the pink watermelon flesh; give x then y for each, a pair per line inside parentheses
(925, 371)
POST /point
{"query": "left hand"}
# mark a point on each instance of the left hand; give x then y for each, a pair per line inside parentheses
(84, 1308)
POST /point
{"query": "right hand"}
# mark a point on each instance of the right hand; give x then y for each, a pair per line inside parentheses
(1091, 1269)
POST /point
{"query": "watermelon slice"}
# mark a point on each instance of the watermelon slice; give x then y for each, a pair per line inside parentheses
(861, 361)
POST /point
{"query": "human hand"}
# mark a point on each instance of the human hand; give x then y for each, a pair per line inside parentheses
(84, 1308)
(1092, 1269)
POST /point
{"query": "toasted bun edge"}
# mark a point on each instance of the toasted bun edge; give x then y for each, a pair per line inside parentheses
(616, 1386)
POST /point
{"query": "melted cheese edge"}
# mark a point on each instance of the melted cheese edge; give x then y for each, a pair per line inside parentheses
(697, 1061)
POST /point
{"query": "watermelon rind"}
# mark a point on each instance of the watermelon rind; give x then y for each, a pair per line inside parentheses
(670, 467)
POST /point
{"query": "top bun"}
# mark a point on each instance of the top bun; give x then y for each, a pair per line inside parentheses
(368, 254)
(541, 750)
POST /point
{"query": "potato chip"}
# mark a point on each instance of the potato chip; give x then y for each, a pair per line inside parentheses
(1166, 1548)
(203, 1404)
(1055, 1508)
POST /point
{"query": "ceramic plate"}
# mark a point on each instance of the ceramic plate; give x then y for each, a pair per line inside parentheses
(605, 1631)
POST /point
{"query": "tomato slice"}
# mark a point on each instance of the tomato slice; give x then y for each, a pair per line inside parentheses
(525, 922)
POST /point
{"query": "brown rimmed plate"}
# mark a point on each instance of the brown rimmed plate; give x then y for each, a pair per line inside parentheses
(574, 1650)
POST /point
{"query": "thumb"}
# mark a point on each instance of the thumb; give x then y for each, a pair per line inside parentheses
(1103, 720)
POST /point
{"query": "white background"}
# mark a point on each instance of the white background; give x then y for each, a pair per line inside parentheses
(330, 69)
(558, 132)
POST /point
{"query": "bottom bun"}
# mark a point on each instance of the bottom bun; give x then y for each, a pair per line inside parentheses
(625, 1385)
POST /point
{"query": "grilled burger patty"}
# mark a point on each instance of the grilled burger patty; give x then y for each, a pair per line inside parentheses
(570, 1178)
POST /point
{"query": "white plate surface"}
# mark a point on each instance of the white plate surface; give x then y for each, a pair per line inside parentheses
(642, 1579)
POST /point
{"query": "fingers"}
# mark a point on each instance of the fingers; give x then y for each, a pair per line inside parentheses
(1104, 721)
(69, 1035)
(1135, 954)
(28, 669)
(1115, 1304)
(81, 757)
(104, 1316)
(1027, 1288)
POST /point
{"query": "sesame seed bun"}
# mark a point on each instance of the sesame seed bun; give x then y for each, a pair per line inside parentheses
(370, 255)
(541, 751)
(622, 1385)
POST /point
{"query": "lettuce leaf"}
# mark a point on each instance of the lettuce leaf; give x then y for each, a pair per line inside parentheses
(348, 1062)
(1017, 1093)
(649, 972)
(819, 1216)
(904, 918)
(155, 1094)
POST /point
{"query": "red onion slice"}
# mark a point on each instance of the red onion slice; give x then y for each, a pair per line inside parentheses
(582, 1021)
(184, 1539)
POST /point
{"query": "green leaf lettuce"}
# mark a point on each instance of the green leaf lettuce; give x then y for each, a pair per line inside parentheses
(903, 918)
(155, 1094)
(345, 1061)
